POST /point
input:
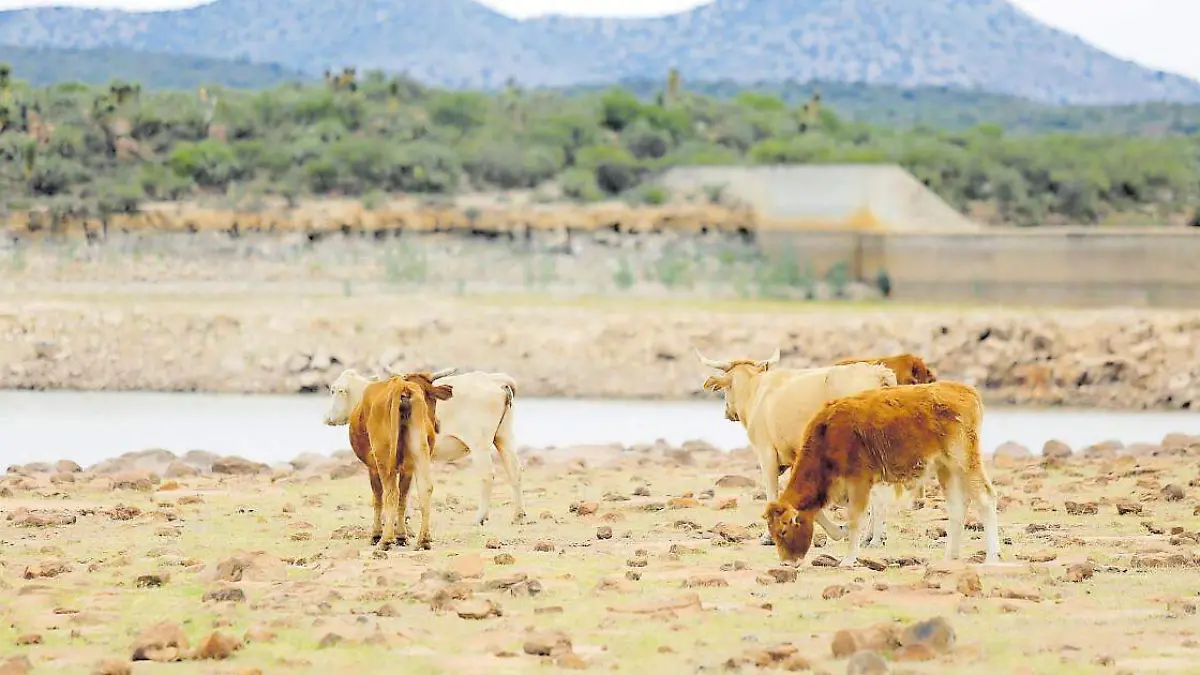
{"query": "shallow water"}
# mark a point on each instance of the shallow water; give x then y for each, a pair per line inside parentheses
(90, 426)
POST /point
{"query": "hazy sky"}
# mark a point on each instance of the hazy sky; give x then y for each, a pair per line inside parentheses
(1156, 33)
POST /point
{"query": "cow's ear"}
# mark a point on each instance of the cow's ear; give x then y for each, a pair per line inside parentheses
(442, 392)
(715, 383)
(774, 511)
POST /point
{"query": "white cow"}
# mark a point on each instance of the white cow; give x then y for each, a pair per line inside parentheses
(775, 404)
(477, 419)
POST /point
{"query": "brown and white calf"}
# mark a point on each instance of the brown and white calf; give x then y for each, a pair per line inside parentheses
(393, 430)
(896, 436)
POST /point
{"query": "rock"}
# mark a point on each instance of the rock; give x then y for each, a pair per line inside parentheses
(112, 667)
(683, 503)
(834, 592)
(67, 466)
(641, 491)
(543, 546)
(216, 646)
(825, 560)
(153, 580)
(733, 481)
(1173, 492)
(783, 575)
(604, 532)
(1126, 507)
(937, 633)
(224, 595)
(467, 565)
(139, 481)
(259, 634)
(343, 470)
(725, 503)
(570, 661)
(257, 566)
(162, 642)
(866, 663)
(17, 665)
(179, 469)
(477, 608)
(1056, 449)
(1080, 572)
(705, 581)
(1084, 509)
(236, 466)
(879, 637)
(584, 508)
(1102, 450)
(41, 518)
(28, 639)
(504, 559)
(969, 584)
(1011, 455)
(547, 643)
(48, 569)
(732, 533)
(915, 652)
(871, 564)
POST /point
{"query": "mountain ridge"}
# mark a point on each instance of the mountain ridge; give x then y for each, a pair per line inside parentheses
(987, 44)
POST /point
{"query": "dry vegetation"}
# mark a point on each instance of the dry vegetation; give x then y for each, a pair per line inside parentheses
(636, 561)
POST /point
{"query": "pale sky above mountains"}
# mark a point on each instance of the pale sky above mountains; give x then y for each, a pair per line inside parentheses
(1155, 33)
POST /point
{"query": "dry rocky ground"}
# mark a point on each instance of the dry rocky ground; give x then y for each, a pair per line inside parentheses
(632, 560)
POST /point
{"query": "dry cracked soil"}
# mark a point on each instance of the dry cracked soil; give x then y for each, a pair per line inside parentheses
(626, 562)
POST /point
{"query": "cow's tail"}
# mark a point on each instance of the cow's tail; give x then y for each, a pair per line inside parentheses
(509, 385)
(402, 410)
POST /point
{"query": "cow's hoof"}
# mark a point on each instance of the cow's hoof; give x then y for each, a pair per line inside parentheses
(375, 538)
(480, 520)
(425, 545)
(401, 541)
(519, 518)
(766, 540)
(874, 543)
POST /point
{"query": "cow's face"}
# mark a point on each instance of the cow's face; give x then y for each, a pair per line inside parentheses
(724, 384)
(791, 530)
(341, 402)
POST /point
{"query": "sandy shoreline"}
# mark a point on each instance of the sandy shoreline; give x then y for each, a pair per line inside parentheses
(635, 560)
(1117, 359)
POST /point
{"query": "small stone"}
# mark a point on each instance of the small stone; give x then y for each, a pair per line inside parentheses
(112, 667)
(477, 608)
(17, 665)
(683, 503)
(969, 584)
(725, 504)
(163, 642)
(585, 508)
(1056, 449)
(224, 595)
(467, 566)
(937, 633)
(152, 580)
(545, 643)
(604, 532)
(1084, 509)
(732, 481)
(493, 544)
(834, 592)
(504, 559)
(217, 646)
(641, 491)
(866, 663)
(29, 639)
(1011, 455)
(783, 575)
(705, 581)
(1125, 507)
(914, 652)
(1172, 492)
(543, 546)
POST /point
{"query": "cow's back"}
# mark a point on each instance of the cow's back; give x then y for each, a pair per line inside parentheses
(478, 403)
(788, 400)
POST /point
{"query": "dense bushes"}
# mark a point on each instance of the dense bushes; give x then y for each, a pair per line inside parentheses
(105, 149)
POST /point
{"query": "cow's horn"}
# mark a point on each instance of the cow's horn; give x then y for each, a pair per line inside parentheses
(771, 361)
(719, 365)
(444, 372)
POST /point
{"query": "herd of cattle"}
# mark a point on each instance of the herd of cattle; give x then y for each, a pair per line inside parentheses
(857, 433)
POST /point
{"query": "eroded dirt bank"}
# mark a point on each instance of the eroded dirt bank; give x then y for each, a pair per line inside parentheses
(1131, 359)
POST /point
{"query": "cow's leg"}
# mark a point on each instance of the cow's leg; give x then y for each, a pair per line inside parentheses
(403, 484)
(424, 477)
(836, 532)
(880, 500)
(859, 497)
(982, 493)
(956, 510)
(768, 465)
(377, 506)
(510, 464)
(391, 507)
(481, 460)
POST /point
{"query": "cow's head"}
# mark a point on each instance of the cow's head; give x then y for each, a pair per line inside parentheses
(733, 375)
(430, 393)
(791, 530)
(919, 371)
(346, 392)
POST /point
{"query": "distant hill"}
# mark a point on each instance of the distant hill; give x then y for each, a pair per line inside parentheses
(970, 44)
(41, 66)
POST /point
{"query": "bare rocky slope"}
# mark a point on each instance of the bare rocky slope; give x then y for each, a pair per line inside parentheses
(983, 44)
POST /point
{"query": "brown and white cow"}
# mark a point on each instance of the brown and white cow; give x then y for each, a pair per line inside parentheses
(895, 436)
(774, 405)
(393, 430)
(909, 368)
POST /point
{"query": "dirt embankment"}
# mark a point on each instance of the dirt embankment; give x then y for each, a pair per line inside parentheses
(1118, 359)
